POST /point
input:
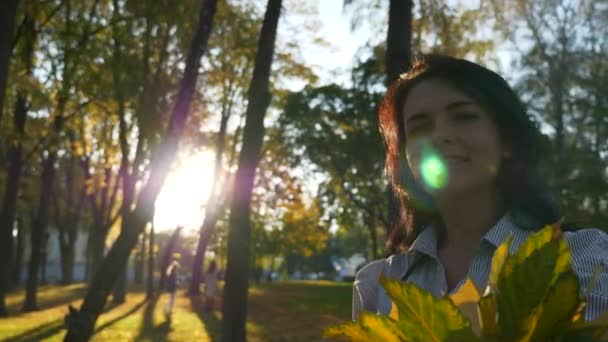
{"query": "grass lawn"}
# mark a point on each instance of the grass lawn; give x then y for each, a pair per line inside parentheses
(285, 311)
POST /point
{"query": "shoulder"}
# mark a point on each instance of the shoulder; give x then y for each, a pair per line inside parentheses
(589, 250)
(587, 239)
(370, 273)
(391, 267)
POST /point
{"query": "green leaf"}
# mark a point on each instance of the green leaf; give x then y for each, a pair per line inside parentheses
(527, 276)
(424, 317)
(552, 317)
(488, 315)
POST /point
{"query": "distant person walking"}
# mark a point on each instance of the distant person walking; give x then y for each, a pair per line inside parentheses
(211, 280)
(171, 281)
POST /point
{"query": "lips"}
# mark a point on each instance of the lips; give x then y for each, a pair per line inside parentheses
(453, 160)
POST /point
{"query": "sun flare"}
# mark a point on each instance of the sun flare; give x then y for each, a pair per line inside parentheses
(184, 194)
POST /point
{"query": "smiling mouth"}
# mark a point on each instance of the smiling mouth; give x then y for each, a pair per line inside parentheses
(451, 160)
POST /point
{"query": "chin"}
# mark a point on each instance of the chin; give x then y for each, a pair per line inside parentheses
(453, 190)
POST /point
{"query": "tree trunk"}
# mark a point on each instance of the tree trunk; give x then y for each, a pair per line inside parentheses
(8, 11)
(38, 233)
(140, 260)
(120, 288)
(399, 37)
(239, 235)
(212, 207)
(19, 252)
(67, 265)
(82, 322)
(199, 258)
(15, 154)
(44, 257)
(9, 205)
(97, 248)
(150, 280)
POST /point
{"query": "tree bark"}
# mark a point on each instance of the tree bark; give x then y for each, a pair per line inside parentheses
(399, 38)
(239, 235)
(120, 289)
(15, 150)
(150, 277)
(19, 252)
(82, 322)
(8, 11)
(212, 208)
(140, 259)
(38, 233)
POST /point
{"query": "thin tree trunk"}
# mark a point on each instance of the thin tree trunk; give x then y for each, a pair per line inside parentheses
(399, 37)
(140, 259)
(19, 252)
(9, 203)
(150, 280)
(120, 289)
(239, 235)
(44, 257)
(8, 11)
(67, 265)
(211, 209)
(38, 233)
(68, 224)
(81, 322)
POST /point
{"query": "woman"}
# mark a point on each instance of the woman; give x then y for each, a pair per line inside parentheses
(462, 156)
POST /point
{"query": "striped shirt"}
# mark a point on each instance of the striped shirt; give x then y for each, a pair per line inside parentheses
(421, 266)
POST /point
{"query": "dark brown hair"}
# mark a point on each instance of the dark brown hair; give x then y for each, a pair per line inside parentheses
(525, 193)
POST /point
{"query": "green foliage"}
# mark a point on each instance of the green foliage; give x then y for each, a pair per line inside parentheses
(532, 295)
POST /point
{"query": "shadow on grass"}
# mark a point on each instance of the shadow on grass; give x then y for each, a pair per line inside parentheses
(47, 299)
(209, 319)
(152, 332)
(39, 333)
(121, 317)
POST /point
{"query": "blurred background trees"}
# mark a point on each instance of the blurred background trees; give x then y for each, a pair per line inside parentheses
(90, 86)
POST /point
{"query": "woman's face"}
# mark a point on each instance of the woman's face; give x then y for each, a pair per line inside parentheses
(452, 144)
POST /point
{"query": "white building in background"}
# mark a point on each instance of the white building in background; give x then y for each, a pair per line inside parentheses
(346, 268)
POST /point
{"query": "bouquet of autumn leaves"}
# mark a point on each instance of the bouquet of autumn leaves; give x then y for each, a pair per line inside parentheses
(532, 295)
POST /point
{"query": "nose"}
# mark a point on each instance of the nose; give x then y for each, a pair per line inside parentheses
(441, 133)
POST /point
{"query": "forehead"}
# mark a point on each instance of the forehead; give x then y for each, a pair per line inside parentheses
(433, 95)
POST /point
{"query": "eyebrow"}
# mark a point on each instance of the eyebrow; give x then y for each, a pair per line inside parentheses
(450, 106)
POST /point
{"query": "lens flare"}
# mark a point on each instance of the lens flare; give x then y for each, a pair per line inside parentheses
(433, 170)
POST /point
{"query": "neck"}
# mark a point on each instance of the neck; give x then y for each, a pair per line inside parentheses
(466, 219)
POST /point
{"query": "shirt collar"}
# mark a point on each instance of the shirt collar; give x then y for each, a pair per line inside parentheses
(426, 242)
(504, 228)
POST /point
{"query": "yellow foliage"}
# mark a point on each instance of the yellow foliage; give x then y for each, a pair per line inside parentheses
(532, 295)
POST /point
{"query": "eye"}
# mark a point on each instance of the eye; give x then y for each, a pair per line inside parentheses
(417, 124)
(465, 116)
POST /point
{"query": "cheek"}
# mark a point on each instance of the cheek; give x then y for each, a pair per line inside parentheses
(413, 153)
